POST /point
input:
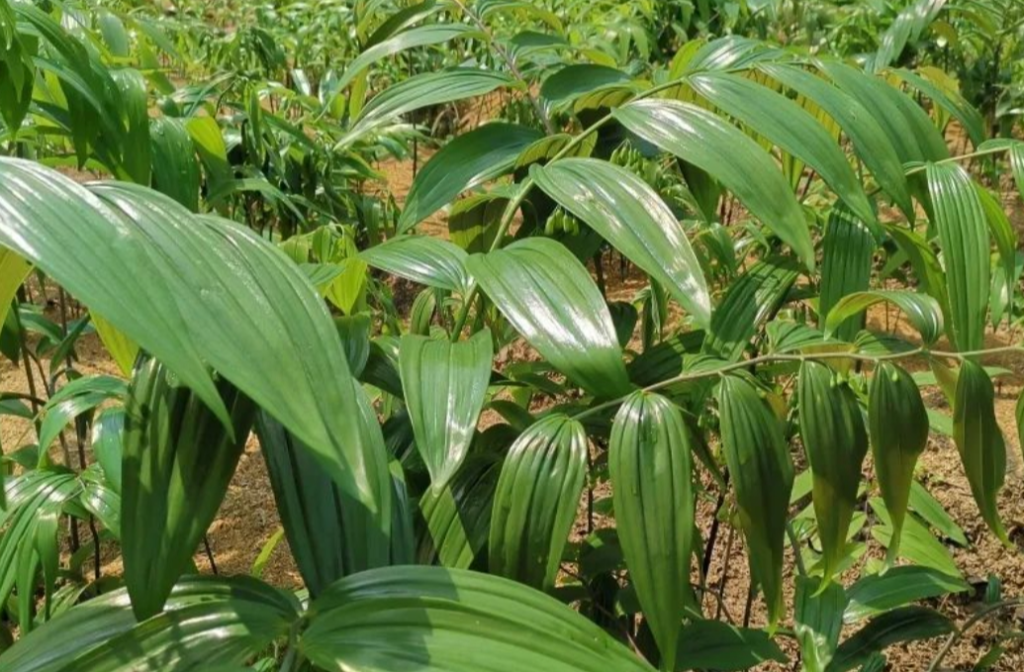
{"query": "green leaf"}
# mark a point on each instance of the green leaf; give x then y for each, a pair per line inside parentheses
(172, 283)
(921, 310)
(541, 288)
(419, 91)
(818, 620)
(927, 269)
(423, 259)
(208, 621)
(867, 135)
(454, 620)
(13, 271)
(849, 250)
(750, 300)
(1002, 231)
(980, 443)
(650, 466)
(917, 543)
(633, 218)
(715, 645)
(536, 499)
(762, 475)
(836, 443)
(789, 126)
(209, 143)
(175, 167)
(445, 384)
(74, 399)
(906, 624)
(176, 465)
(573, 81)
(466, 162)
(457, 519)
(107, 444)
(727, 154)
(898, 425)
(963, 234)
(878, 593)
(122, 349)
(931, 511)
(948, 99)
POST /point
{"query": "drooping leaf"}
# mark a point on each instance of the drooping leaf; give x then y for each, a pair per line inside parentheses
(898, 426)
(432, 618)
(633, 218)
(750, 300)
(541, 288)
(963, 234)
(947, 98)
(727, 154)
(979, 441)
(444, 384)
(424, 259)
(905, 624)
(787, 125)
(74, 399)
(927, 269)
(175, 166)
(464, 163)
(107, 442)
(13, 271)
(1005, 237)
(921, 310)
(818, 621)
(650, 466)
(535, 501)
(176, 464)
(836, 443)
(899, 586)
(208, 621)
(762, 475)
(846, 266)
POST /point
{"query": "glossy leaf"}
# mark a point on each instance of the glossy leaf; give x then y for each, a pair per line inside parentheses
(979, 441)
(948, 99)
(423, 259)
(650, 466)
(963, 233)
(727, 154)
(457, 519)
(921, 310)
(898, 425)
(633, 218)
(846, 266)
(466, 162)
(74, 399)
(432, 618)
(762, 475)
(878, 593)
(175, 167)
(535, 501)
(445, 384)
(836, 443)
(542, 288)
(787, 125)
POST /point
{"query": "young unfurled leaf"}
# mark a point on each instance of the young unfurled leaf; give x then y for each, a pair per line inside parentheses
(445, 384)
(178, 459)
(650, 465)
(535, 501)
(980, 441)
(549, 296)
(627, 213)
(836, 442)
(898, 426)
(762, 474)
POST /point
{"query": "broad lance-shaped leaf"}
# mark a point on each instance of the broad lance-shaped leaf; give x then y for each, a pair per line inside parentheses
(922, 310)
(627, 213)
(650, 466)
(762, 475)
(751, 300)
(730, 156)
(13, 271)
(464, 163)
(173, 283)
(963, 234)
(878, 593)
(898, 427)
(419, 91)
(980, 442)
(430, 618)
(948, 98)
(209, 622)
(836, 442)
(868, 137)
(789, 126)
(536, 499)
(846, 266)
(818, 620)
(177, 461)
(445, 384)
(550, 298)
(175, 166)
(424, 259)
(906, 624)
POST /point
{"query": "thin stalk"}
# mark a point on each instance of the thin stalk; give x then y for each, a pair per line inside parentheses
(957, 634)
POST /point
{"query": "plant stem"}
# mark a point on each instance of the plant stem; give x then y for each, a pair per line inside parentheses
(968, 624)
